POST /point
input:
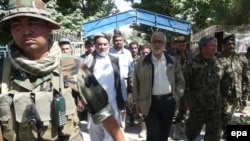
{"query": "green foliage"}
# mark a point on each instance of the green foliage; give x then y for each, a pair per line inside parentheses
(4, 37)
(200, 13)
(242, 121)
(70, 21)
(157, 6)
(70, 14)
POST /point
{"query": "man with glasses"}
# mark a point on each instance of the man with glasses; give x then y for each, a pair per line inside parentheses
(207, 81)
(158, 84)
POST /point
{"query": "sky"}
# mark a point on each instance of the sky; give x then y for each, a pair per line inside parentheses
(123, 6)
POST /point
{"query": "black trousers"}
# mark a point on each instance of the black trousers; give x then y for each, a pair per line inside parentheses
(160, 116)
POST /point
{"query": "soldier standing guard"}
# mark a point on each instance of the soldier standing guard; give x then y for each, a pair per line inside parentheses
(39, 83)
(239, 65)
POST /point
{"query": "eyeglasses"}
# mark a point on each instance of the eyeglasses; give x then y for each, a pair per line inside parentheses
(158, 41)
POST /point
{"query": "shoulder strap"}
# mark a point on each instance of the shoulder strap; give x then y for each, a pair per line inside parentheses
(5, 75)
(57, 80)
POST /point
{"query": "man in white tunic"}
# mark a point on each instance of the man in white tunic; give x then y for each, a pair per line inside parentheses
(107, 72)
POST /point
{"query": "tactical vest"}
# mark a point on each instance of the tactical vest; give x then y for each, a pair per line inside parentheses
(28, 115)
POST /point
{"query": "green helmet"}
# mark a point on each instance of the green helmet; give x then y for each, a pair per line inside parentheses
(28, 8)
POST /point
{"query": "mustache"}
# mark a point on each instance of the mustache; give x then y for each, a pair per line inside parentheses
(24, 38)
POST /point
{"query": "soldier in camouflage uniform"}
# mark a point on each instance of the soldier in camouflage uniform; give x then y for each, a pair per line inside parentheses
(183, 56)
(204, 90)
(248, 58)
(130, 108)
(39, 83)
(239, 65)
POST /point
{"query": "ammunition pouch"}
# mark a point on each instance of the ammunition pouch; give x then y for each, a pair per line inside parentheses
(7, 117)
(22, 119)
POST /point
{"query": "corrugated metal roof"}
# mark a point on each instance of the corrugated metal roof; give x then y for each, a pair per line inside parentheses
(135, 16)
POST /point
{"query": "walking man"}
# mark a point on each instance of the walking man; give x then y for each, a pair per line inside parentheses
(158, 83)
(206, 83)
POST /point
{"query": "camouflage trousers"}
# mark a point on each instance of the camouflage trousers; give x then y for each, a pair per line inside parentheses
(196, 120)
(130, 108)
(226, 115)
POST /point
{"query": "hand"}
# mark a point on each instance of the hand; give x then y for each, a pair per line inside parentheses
(224, 101)
(184, 106)
(138, 109)
(80, 106)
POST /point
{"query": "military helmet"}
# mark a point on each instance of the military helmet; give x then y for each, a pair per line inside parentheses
(28, 8)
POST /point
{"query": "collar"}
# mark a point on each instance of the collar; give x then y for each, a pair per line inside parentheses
(155, 59)
(120, 51)
(148, 58)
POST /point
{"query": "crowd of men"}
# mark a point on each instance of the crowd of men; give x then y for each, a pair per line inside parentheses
(45, 90)
(218, 87)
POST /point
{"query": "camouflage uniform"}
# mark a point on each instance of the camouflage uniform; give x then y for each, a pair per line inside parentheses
(184, 57)
(30, 89)
(130, 108)
(240, 68)
(204, 88)
(246, 90)
(71, 70)
(182, 106)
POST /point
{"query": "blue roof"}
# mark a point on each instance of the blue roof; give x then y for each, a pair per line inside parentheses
(135, 16)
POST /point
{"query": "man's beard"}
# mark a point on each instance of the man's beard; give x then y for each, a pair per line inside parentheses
(102, 53)
(157, 51)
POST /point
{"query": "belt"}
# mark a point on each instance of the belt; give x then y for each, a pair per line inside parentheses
(62, 138)
(164, 96)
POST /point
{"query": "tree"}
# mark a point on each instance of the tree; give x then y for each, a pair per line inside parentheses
(200, 13)
(157, 6)
(72, 13)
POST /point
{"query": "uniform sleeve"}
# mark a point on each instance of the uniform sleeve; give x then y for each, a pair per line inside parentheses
(93, 96)
(227, 78)
(245, 70)
(187, 73)
(1, 72)
(135, 88)
(179, 82)
(245, 79)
